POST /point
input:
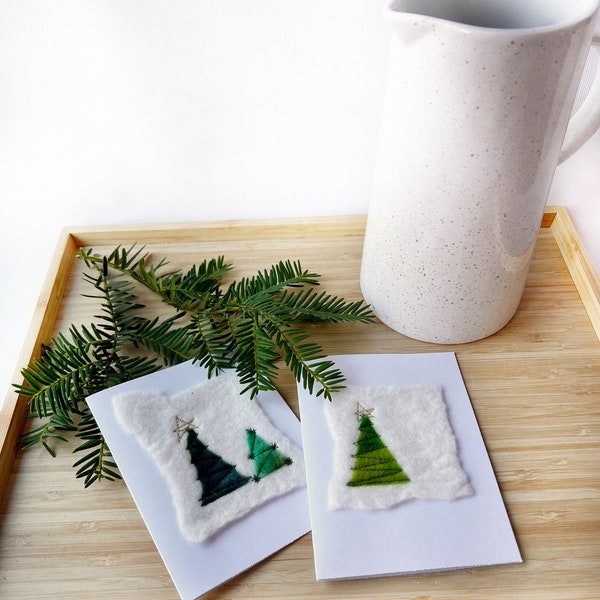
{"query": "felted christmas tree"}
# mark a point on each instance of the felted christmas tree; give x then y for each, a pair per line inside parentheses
(266, 457)
(197, 439)
(375, 464)
(216, 475)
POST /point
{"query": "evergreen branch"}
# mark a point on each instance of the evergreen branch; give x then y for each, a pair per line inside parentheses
(119, 305)
(121, 260)
(59, 381)
(249, 326)
(306, 305)
(97, 463)
(187, 292)
(213, 343)
(173, 344)
(56, 423)
(283, 274)
(255, 356)
(268, 328)
(126, 368)
(306, 360)
(191, 291)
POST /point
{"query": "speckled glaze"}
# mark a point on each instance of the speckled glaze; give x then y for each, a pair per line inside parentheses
(478, 98)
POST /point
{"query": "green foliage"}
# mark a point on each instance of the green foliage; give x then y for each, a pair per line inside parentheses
(250, 325)
(97, 462)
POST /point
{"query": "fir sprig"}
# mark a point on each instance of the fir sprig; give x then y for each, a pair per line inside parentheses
(251, 326)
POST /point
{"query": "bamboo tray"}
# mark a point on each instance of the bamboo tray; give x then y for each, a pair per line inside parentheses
(535, 387)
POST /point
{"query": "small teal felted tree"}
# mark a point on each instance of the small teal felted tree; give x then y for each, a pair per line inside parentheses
(266, 457)
(374, 464)
(217, 476)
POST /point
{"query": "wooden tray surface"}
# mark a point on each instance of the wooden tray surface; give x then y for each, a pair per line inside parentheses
(535, 387)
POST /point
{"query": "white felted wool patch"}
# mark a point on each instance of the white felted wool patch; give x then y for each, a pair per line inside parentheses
(392, 443)
(219, 452)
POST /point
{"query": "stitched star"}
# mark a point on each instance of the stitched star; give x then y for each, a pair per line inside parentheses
(182, 426)
(362, 411)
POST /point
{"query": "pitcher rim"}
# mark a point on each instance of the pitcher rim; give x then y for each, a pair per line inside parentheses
(586, 15)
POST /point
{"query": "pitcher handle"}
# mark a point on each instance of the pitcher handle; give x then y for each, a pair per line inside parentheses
(586, 121)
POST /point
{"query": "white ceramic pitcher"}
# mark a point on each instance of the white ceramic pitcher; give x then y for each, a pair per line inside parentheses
(478, 99)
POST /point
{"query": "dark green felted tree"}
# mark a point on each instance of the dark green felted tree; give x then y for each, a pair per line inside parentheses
(266, 457)
(217, 476)
(375, 464)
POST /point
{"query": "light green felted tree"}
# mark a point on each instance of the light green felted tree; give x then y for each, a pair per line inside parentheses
(265, 456)
(375, 464)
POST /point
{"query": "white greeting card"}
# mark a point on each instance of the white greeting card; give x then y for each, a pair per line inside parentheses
(409, 420)
(156, 423)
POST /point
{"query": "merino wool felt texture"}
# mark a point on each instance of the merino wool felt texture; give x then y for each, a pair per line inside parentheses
(392, 444)
(219, 452)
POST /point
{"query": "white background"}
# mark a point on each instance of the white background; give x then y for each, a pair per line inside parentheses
(123, 111)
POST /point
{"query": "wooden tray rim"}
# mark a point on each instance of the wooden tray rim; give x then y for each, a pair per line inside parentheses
(71, 239)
